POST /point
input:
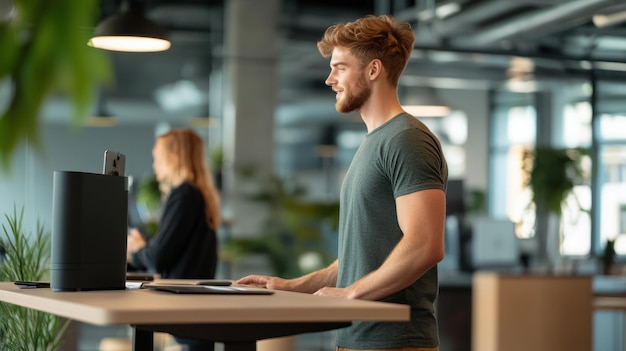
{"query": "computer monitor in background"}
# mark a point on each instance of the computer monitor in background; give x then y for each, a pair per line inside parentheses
(455, 198)
(456, 233)
(494, 244)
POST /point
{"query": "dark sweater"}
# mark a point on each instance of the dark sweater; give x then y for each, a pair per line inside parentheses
(184, 246)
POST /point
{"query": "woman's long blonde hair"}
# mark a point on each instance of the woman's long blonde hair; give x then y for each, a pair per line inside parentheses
(183, 154)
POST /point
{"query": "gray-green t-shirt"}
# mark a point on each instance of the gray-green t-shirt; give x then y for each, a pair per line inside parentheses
(400, 157)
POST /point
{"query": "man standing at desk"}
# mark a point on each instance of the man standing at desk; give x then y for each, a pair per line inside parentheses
(392, 202)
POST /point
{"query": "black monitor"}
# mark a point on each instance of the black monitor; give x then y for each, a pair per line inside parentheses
(455, 198)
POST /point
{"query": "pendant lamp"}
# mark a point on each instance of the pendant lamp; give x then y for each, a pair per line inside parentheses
(102, 117)
(129, 30)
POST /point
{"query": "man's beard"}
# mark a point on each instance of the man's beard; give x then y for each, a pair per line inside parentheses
(354, 101)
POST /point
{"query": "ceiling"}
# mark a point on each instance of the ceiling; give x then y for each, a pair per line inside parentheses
(460, 44)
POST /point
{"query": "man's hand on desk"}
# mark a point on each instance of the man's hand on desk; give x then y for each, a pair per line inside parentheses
(265, 281)
(276, 283)
(331, 291)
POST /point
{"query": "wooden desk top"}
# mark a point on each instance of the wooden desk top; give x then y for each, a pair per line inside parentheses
(144, 306)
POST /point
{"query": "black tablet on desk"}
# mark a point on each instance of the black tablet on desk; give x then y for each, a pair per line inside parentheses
(208, 289)
(32, 284)
(214, 282)
(139, 276)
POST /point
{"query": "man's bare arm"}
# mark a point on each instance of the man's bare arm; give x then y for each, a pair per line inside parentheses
(310, 283)
(421, 217)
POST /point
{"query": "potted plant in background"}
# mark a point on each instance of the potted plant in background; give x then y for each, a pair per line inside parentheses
(552, 175)
(27, 258)
(149, 202)
(297, 234)
(608, 257)
(216, 162)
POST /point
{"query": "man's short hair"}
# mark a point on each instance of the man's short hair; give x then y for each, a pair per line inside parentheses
(373, 37)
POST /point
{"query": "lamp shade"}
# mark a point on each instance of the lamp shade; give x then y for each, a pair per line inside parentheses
(129, 30)
(102, 117)
(424, 102)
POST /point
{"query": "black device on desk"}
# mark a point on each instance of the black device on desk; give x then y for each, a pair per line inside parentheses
(207, 289)
(89, 227)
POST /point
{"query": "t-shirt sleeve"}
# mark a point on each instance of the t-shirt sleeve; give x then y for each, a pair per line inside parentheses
(415, 162)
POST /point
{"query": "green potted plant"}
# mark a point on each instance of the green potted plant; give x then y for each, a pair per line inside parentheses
(27, 258)
(552, 174)
(216, 158)
(149, 197)
(293, 234)
(608, 257)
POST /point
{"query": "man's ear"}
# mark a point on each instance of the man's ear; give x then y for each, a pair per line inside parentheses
(375, 69)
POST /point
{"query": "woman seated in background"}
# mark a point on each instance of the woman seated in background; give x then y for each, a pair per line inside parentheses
(185, 244)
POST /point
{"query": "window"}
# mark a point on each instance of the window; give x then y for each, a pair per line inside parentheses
(516, 131)
(612, 182)
(513, 131)
(452, 133)
(575, 131)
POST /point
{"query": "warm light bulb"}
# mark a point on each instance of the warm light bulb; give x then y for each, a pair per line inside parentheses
(129, 43)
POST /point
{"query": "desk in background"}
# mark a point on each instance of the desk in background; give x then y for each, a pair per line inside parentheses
(238, 321)
(609, 303)
(531, 312)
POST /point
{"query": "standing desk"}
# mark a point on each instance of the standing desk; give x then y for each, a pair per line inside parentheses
(238, 321)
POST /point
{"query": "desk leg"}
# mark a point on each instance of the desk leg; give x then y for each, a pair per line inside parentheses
(240, 346)
(237, 336)
(143, 340)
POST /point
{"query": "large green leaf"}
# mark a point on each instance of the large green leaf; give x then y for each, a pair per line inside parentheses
(44, 53)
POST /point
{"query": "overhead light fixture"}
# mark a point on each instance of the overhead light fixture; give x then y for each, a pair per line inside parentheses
(439, 11)
(522, 84)
(605, 20)
(102, 117)
(327, 146)
(424, 102)
(447, 10)
(201, 122)
(129, 30)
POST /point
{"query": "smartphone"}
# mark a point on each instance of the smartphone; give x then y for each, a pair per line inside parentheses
(114, 163)
(32, 285)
